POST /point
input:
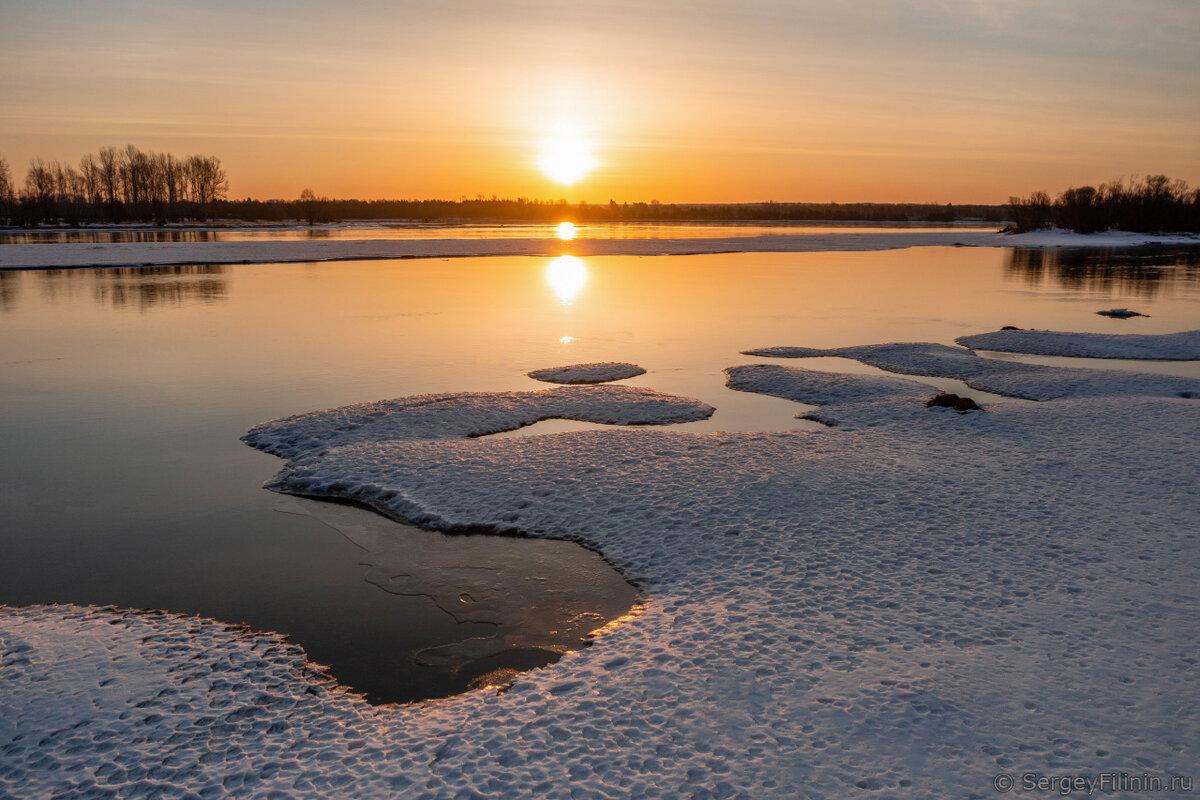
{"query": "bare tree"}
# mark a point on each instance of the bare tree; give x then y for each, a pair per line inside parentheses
(6, 186)
(207, 182)
(89, 171)
(308, 204)
(7, 195)
(110, 176)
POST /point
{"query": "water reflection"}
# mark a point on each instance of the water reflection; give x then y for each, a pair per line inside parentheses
(1140, 271)
(9, 289)
(566, 231)
(540, 598)
(125, 288)
(567, 275)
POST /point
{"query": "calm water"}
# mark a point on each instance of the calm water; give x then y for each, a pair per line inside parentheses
(416, 230)
(122, 479)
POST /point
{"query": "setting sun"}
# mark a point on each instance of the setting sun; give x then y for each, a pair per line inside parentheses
(566, 157)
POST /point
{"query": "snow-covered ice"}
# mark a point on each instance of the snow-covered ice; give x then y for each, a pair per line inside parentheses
(1181, 346)
(1009, 378)
(1057, 237)
(471, 414)
(903, 605)
(833, 391)
(598, 372)
(136, 254)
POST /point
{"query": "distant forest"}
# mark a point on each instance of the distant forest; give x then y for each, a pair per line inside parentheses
(115, 185)
(129, 185)
(1155, 204)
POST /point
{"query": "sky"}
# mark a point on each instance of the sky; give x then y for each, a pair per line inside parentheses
(964, 101)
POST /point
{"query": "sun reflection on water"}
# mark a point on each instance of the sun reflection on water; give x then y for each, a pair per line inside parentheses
(567, 276)
(565, 230)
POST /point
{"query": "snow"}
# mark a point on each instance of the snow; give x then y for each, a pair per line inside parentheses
(136, 254)
(471, 414)
(1181, 346)
(1008, 378)
(1057, 237)
(821, 388)
(832, 390)
(599, 372)
(903, 605)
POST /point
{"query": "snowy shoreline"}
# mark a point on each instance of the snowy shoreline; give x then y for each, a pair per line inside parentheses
(913, 601)
(61, 256)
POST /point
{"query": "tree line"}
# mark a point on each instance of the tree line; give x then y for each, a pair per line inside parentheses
(313, 209)
(115, 185)
(127, 184)
(1154, 204)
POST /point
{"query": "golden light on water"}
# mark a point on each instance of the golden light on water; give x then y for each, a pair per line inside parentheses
(565, 230)
(566, 156)
(567, 276)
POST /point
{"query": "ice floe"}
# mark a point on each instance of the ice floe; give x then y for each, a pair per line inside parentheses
(905, 608)
(862, 399)
(470, 414)
(1012, 379)
(1057, 237)
(136, 254)
(1181, 346)
(599, 372)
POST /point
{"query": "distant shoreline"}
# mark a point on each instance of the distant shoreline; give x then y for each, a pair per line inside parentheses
(147, 254)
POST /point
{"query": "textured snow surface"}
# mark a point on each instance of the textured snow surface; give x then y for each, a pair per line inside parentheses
(470, 414)
(598, 372)
(1182, 346)
(833, 390)
(1012, 379)
(136, 254)
(901, 608)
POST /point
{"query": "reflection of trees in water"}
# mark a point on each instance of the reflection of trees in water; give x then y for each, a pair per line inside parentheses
(141, 288)
(1140, 271)
(9, 288)
(107, 237)
(158, 236)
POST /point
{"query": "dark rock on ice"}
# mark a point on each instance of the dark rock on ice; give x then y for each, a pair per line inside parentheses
(1121, 313)
(948, 400)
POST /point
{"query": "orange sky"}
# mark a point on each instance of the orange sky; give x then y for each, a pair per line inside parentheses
(871, 100)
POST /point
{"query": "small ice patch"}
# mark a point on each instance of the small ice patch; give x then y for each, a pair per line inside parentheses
(1121, 313)
(1181, 346)
(599, 372)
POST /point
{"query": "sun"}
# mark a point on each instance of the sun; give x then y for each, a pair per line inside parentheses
(566, 157)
